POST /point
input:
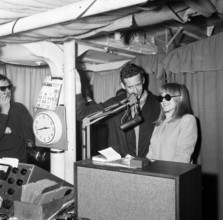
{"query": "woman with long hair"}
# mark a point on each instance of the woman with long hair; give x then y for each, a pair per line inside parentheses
(175, 134)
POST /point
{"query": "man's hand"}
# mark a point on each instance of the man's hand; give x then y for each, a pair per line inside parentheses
(134, 103)
(132, 99)
(78, 82)
(8, 130)
(5, 103)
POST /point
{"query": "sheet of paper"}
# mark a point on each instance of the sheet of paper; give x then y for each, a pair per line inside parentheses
(14, 162)
(110, 154)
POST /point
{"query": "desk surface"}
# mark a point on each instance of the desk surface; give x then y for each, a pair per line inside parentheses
(156, 168)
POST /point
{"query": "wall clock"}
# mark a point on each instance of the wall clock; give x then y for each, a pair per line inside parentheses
(49, 128)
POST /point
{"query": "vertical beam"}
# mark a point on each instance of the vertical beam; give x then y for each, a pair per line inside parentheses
(70, 104)
(57, 156)
(57, 162)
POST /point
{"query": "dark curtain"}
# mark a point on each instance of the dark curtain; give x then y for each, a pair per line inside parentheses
(207, 102)
(200, 67)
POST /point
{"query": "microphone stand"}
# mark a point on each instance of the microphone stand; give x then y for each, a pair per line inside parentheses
(93, 118)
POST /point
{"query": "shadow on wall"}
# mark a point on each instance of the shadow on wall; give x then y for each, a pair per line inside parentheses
(79, 141)
(209, 197)
(195, 155)
(209, 185)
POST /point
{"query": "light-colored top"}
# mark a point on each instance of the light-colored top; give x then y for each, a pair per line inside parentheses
(174, 141)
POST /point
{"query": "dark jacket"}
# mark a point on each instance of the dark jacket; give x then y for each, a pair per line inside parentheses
(124, 142)
(20, 122)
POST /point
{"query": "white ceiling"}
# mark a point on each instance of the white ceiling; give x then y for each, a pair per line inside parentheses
(118, 29)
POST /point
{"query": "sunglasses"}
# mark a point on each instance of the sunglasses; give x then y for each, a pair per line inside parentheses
(167, 97)
(3, 88)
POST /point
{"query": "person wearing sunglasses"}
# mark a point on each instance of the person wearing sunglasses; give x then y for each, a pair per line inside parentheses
(175, 134)
(15, 124)
(129, 130)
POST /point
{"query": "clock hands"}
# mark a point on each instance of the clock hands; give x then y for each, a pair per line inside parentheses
(42, 128)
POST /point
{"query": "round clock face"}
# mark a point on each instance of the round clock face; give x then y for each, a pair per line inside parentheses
(47, 127)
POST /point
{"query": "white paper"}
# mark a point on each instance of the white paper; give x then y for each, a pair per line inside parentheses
(14, 162)
(121, 162)
(110, 154)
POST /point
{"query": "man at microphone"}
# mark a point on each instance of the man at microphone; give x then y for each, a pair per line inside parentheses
(129, 130)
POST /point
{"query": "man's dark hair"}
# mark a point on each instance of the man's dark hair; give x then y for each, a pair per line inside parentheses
(130, 70)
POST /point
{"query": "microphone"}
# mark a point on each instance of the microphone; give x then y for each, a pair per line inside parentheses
(133, 121)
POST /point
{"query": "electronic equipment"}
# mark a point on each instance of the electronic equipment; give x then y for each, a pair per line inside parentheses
(13, 178)
(162, 190)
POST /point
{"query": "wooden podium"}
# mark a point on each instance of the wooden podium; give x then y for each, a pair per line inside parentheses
(162, 190)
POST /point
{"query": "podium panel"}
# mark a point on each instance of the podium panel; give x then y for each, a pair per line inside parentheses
(162, 191)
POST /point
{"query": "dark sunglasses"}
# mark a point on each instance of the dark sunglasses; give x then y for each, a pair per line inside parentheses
(168, 97)
(3, 88)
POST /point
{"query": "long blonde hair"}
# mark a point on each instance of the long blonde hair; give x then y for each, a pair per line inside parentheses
(182, 101)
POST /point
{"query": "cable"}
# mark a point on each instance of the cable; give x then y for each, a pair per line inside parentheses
(126, 114)
(13, 27)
